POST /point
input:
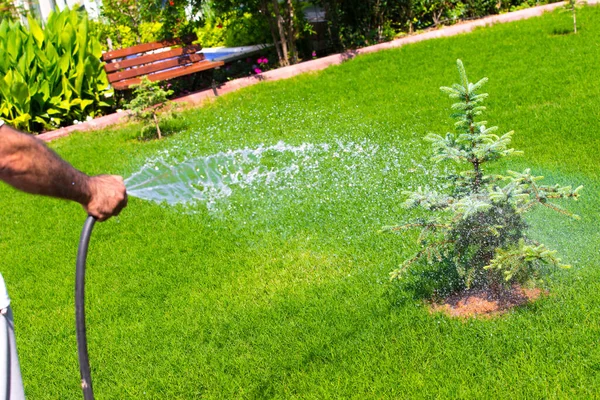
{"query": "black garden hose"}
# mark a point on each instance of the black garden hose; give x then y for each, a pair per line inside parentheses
(84, 362)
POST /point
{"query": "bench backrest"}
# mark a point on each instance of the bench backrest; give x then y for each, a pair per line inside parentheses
(157, 60)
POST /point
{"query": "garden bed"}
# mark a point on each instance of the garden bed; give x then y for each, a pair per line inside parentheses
(486, 303)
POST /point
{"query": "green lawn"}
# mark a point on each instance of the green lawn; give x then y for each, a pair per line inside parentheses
(284, 292)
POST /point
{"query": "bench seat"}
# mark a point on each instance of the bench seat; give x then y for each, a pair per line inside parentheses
(158, 61)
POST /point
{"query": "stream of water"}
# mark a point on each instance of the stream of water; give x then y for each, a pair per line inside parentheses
(339, 169)
(215, 176)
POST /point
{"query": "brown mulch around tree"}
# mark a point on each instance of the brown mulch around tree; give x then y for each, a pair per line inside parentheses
(487, 304)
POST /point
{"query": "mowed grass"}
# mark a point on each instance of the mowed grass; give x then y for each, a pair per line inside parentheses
(285, 293)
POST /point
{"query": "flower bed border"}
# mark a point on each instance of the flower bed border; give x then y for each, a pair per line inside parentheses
(196, 99)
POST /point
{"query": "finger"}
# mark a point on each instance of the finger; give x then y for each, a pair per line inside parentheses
(98, 217)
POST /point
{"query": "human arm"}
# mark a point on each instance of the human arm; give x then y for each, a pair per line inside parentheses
(28, 165)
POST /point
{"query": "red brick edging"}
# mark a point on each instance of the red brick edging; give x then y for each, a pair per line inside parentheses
(314, 65)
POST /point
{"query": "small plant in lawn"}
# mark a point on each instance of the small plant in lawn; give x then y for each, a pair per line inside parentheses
(572, 6)
(478, 225)
(149, 99)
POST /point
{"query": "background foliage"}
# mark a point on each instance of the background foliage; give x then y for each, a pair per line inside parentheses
(355, 23)
(233, 30)
(124, 35)
(53, 76)
(10, 11)
(36, 97)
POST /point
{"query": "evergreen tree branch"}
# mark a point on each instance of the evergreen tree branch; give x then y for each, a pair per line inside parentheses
(395, 228)
(396, 274)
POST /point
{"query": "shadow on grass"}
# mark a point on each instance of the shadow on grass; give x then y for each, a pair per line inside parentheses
(562, 31)
(168, 127)
(425, 281)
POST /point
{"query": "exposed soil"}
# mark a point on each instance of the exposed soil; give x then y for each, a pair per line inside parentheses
(486, 303)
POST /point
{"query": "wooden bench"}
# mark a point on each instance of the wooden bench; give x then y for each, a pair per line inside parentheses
(126, 67)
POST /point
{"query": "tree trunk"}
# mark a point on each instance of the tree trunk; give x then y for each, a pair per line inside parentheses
(478, 175)
(574, 21)
(280, 26)
(157, 127)
(291, 34)
(437, 16)
(331, 22)
(331, 14)
(272, 28)
(379, 20)
(119, 38)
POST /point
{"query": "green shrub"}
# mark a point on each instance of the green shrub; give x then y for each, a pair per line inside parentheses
(212, 34)
(124, 36)
(131, 18)
(53, 76)
(478, 224)
(232, 30)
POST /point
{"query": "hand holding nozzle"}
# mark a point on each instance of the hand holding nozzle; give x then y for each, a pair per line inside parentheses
(107, 196)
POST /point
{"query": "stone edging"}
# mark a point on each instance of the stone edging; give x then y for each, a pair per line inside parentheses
(314, 65)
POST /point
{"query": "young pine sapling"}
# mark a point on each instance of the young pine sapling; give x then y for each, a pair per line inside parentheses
(572, 6)
(477, 223)
(149, 99)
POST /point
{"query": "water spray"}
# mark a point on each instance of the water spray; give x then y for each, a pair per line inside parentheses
(207, 179)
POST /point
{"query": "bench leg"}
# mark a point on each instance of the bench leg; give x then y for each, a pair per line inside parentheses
(213, 84)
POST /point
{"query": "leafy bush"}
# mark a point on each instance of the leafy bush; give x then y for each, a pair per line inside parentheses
(124, 36)
(478, 226)
(50, 77)
(233, 30)
(130, 22)
(212, 34)
(175, 19)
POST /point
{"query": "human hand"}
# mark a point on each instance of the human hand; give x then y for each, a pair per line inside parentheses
(107, 196)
